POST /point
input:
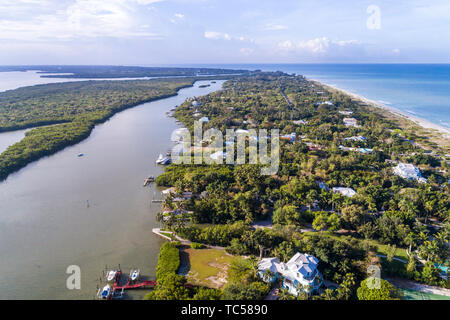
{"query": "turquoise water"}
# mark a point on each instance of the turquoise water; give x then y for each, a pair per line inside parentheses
(421, 90)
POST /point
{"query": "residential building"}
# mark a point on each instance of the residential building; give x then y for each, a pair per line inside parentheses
(356, 138)
(350, 122)
(348, 192)
(300, 273)
(408, 171)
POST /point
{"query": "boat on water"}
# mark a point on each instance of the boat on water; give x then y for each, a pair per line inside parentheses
(163, 160)
(110, 276)
(80, 154)
(134, 274)
(105, 293)
(160, 159)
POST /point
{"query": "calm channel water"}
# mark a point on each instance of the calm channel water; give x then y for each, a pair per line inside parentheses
(46, 223)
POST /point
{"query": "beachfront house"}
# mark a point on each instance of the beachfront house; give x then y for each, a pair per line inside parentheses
(204, 119)
(347, 192)
(195, 103)
(409, 172)
(346, 112)
(300, 273)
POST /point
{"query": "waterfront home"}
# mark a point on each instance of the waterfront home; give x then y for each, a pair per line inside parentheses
(350, 122)
(195, 103)
(299, 122)
(168, 191)
(347, 192)
(300, 273)
(409, 172)
(204, 119)
(346, 112)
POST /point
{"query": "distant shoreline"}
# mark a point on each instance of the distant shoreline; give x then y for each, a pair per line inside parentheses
(419, 121)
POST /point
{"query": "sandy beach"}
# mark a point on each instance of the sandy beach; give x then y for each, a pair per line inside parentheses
(419, 121)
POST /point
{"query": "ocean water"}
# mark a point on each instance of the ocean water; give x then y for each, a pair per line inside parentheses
(420, 90)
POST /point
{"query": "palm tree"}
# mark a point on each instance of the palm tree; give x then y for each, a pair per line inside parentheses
(284, 294)
(268, 275)
(328, 294)
(299, 287)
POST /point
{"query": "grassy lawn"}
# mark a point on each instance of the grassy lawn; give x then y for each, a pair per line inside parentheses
(168, 234)
(381, 248)
(208, 267)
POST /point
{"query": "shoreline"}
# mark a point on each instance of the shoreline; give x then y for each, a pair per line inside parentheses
(426, 124)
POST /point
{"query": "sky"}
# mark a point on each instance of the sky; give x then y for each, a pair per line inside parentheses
(162, 32)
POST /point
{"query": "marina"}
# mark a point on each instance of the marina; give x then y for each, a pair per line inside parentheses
(116, 290)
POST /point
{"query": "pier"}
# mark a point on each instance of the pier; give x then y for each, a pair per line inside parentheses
(130, 284)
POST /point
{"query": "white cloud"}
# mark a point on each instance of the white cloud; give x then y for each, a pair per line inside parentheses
(179, 15)
(246, 51)
(275, 27)
(145, 2)
(82, 19)
(216, 35)
(315, 46)
(396, 51)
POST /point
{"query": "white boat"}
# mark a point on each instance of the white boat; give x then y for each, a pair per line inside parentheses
(160, 159)
(134, 274)
(106, 291)
(163, 160)
(81, 154)
(111, 275)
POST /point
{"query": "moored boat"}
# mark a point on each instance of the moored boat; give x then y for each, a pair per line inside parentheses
(110, 276)
(134, 274)
(105, 293)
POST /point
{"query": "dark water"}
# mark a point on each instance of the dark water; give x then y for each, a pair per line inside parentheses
(46, 225)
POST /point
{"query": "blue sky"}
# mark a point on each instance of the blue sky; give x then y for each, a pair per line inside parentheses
(146, 32)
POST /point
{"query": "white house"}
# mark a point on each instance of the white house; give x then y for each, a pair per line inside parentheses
(408, 171)
(299, 273)
(195, 103)
(348, 192)
(346, 112)
(204, 119)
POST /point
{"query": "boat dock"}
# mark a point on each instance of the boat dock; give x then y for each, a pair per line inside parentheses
(149, 180)
(130, 284)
